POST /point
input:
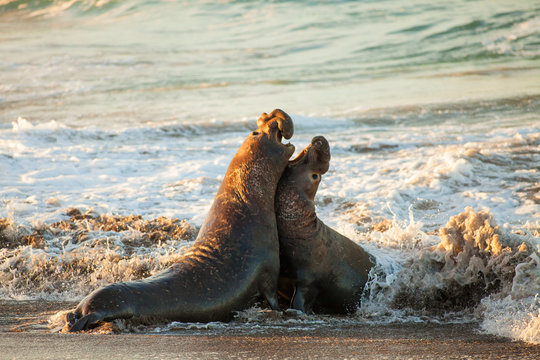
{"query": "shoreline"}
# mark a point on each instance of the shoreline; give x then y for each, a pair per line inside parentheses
(24, 335)
(397, 341)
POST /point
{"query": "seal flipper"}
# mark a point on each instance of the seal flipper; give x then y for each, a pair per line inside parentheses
(273, 302)
(298, 301)
(87, 322)
(270, 295)
(303, 299)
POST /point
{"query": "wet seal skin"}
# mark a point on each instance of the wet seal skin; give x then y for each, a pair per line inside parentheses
(234, 259)
(321, 270)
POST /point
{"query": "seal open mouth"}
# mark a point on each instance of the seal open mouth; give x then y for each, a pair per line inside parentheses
(317, 154)
(299, 158)
(279, 123)
(279, 139)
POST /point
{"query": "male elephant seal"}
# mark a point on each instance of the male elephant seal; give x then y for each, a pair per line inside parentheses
(235, 257)
(328, 269)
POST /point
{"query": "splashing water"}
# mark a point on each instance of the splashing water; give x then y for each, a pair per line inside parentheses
(475, 270)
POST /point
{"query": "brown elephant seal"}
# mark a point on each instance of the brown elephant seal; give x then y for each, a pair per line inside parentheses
(328, 269)
(234, 259)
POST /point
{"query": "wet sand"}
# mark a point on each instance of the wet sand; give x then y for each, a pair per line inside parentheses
(24, 335)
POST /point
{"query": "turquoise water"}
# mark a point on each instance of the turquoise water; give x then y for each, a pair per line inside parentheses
(132, 62)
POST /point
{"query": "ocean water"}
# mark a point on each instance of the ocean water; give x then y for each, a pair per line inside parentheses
(118, 120)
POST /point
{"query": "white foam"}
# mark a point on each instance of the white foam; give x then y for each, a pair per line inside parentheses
(415, 180)
(441, 283)
(518, 319)
(517, 315)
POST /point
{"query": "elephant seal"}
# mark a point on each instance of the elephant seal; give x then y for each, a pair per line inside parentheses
(234, 259)
(328, 270)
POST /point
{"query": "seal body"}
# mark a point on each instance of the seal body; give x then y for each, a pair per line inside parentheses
(234, 259)
(328, 270)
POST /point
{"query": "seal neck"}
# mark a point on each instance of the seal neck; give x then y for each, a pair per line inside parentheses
(295, 213)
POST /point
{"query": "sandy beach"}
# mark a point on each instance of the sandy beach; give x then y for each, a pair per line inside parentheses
(24, 335)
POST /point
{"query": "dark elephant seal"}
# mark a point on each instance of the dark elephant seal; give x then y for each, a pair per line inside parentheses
(328, 269)
(235, 258)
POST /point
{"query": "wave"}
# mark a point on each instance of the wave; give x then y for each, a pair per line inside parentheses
(54, 8)
(466, 111)
(55, 132)
(501, 111)
(470, 270)
(474, 270)
(65, 259)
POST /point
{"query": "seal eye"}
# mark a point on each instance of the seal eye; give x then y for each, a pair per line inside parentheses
(314, 176)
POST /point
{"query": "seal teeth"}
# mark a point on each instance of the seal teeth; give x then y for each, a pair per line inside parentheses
(298, 158)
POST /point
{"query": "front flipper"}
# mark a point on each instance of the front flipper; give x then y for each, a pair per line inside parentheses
(301, 300)
(270, 294)
(77, 322)
(273, 302)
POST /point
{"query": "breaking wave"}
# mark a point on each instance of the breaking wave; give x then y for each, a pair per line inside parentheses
(469, 270)
(474, 270)
(68, 259)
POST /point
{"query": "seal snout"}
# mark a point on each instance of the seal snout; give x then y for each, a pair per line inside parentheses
(277, 120)
(321, 147)
(319, 154)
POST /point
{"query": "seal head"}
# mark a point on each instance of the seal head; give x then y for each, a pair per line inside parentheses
(295, 200)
